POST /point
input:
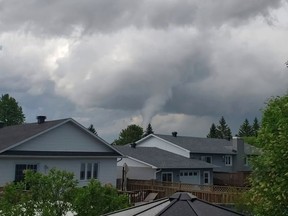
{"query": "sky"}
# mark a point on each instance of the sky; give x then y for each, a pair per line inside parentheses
(179, 65)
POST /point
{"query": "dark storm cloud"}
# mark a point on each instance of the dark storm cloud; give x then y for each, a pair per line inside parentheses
(113, 63)
(62, 17)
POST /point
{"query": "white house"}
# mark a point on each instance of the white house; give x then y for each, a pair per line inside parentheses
(63, 144)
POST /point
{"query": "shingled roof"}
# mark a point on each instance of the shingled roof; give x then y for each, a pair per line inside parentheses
(180, 203)
(161, 158)
(205, 145)
(12, 135)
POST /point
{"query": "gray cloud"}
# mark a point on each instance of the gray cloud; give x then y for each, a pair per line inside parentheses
(181, 65)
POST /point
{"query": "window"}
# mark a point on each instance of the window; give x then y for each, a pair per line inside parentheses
(206, 177)
(228, 160)
(167, 176)
(20, 170)
(208, 159)
(88, 171)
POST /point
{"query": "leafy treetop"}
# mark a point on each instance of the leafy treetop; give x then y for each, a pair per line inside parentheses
(129, 135)
(10, 112)
(149, 130)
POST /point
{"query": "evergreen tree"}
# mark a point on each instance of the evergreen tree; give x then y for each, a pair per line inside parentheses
(92, 129)
(149, 130)
(223, 130)
(245, 129)
(10, 112)
(129, 135)
(255, 127)
(213, 132)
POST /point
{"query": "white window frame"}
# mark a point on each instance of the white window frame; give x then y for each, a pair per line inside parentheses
(87, 165)
(209, 177)
(228, 160)
(165, 173)
(246, 160)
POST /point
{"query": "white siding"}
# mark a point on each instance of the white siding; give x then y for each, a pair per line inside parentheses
(67, 137)
(161, 144)
(136, 170)
(106, 172)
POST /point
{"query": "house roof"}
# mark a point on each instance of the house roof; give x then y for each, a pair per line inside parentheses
(205, 145)
(180, 203)
(15, 135)
(161, 158)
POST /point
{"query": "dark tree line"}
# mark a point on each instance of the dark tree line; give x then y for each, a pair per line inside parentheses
(223, 131)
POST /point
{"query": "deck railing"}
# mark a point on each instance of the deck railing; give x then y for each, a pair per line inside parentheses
(209, 193)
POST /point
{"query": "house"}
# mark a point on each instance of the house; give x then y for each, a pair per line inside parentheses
(180, 203)
(147, 163)
(63, 144)
(229, 156)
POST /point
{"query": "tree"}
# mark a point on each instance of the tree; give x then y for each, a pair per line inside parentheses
(10, 112)
(269, 180)
(98, 200)
(255, 127)
(213, 132)
(56, 194)
(223, 130)
(149, 130)
(92, 129)
(50, 194)
(245, 129)
(129, 135)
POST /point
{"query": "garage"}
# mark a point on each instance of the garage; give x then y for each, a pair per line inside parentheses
(190, 176)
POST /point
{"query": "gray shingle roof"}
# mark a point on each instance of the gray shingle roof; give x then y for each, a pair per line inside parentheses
(206, 145)
(161, 158)
(12, 135)
(180, 203)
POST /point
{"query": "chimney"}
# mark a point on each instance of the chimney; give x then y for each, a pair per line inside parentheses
(238, 146)
(41, 119)
(174, 134)
(133, 145)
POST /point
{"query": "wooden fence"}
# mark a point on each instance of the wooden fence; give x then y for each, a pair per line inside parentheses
(138, 189)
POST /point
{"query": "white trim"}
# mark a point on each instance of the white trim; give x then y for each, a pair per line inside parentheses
(170, 143)
(147, 164)
(228, 162)
(209, 177)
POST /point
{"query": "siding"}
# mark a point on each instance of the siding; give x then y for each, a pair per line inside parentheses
(66, 137)
(106, 172)
(158, 143)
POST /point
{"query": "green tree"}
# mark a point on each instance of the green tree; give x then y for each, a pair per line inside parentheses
(245, 129)
(92, 129)
(97, 200)
(149, 130)
(212, 132)
(255, 127)
(49, 195)
(269, 180)
(10, 112)
(223, 130)
(129, 135)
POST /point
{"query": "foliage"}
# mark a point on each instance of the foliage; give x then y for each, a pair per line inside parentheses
(48, 195)
(97, 200)
(57, 193)
(245, 129)
(255, 127)
(269, 179)
(223, 130)
(149, 130)
(10, 112)
(92, 129)
(252, 140)
(213, 132)
(129, 135)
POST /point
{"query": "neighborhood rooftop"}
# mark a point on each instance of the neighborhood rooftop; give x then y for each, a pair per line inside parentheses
(206, 145)
(161, 158)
